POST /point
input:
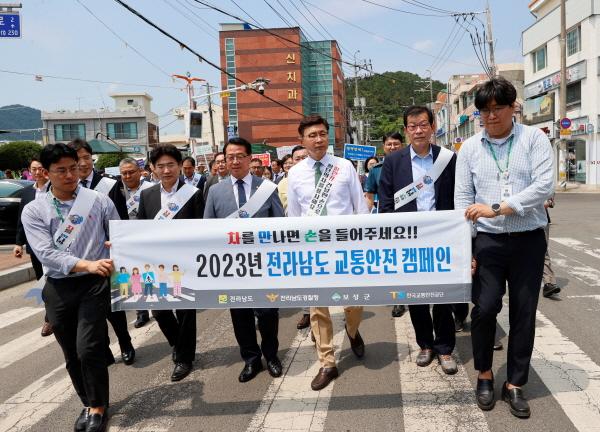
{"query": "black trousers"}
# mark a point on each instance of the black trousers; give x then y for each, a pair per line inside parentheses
(180, 330)
(245, 333)
(77, 308)
(518, 259)
(118, 320)
(461, 311)
(434, 332)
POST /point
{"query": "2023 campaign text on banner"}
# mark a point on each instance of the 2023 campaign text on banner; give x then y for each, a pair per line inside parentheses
(398, 258)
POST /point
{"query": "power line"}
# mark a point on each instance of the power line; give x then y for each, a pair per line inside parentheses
(286, 22)
(200, 57)
(189, 19)
(85, 80)
(306, 19)
(127, 44)
(405, 11)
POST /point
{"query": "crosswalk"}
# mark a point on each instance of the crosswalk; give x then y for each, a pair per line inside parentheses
(565, 384)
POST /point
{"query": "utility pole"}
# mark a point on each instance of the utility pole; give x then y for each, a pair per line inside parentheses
(490, 39)
(210, 115)
(563, 167)
(191, 104)
(449, 114)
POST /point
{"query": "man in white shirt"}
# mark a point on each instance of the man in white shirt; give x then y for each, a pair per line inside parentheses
(345, 198)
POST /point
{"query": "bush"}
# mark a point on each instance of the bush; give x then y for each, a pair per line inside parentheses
(109, 160)
(16, 155)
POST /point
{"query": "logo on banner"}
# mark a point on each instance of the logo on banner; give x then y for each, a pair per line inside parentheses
(427, 180)
(272, 297)
(223, 298)
(136, 198)
(76, 219)
(244, 214)
(172, 206)
(398, 295)
(336, 297)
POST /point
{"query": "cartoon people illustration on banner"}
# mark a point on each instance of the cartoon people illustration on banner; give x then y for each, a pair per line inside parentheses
(176, 276)
(136, 282)
(123, 280)
(163, 278)
(149, 280)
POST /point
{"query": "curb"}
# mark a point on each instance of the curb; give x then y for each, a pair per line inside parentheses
(16, 275)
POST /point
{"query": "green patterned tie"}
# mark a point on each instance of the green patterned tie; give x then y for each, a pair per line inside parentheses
(317, 178)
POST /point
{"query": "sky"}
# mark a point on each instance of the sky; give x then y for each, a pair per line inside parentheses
(101, 41)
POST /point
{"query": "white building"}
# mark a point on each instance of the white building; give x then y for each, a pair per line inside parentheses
(579, 159)
(132, 124)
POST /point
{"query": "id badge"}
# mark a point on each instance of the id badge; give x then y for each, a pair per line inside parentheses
(505, 192)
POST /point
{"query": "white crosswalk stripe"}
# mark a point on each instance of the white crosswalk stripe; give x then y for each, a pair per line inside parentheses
(15, 315)
(21, 347)
(578, 246)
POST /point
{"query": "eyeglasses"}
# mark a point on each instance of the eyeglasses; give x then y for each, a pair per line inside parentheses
(413, 127)
(315, 135)
(485, 112)
(234, 157)
(62, 172)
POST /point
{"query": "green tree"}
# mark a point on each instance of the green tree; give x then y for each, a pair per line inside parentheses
(109, 160)
(16, 155)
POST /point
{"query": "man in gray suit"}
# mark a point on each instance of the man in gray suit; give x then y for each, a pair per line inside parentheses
(245, 195)
(222, 173)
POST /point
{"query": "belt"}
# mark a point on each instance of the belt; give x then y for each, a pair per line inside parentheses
(514, 234)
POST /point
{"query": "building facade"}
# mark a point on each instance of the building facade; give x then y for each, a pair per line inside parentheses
(303, 76)
(132, 124)
(577, 156)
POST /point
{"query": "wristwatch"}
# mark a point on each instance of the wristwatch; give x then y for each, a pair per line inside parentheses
(496, 209)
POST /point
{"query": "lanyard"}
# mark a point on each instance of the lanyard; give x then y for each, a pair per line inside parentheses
(55, 203)
(510, 144)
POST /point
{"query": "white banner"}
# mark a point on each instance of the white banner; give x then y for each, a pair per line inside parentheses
(397, 258)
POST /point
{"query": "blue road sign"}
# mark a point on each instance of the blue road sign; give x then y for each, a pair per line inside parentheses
(358, 152)
(565, 123)
(10, 25)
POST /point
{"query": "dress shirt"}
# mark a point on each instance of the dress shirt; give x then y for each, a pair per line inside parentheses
(531, 175)
(346, 195)
(247, 186)
(41, 191)
(190, 180)
(88, 180)
(421, 165)
(165, 196)
(41, 221)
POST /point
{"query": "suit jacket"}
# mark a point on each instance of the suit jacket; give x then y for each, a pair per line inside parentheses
(396, 173)
(210, 181)
(27, 196)
(221, 201)
(115, 195)
(150, 204)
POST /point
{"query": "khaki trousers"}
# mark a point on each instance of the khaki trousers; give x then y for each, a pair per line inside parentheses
(322, 328)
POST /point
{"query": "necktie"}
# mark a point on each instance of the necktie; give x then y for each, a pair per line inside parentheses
(241, 193)
(83, 183)
(317, 178)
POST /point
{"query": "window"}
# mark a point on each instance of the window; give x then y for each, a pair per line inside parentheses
(574, 93)
(129, 101)
(68, 132)
(574, 41)
(122, 130)
(539, 59)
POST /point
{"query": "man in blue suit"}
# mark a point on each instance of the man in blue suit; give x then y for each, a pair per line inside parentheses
(435, 335)
(245, 195)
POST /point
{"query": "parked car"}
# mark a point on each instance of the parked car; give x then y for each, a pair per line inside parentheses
(10, 200)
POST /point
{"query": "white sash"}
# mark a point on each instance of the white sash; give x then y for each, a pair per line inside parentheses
(256, 201)
(176, 202)
(196, 179)
(319, 199)
(67, 232)
(133, 200)
(105, 185)
(410, 192)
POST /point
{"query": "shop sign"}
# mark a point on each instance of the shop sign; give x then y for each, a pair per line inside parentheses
(574, 73)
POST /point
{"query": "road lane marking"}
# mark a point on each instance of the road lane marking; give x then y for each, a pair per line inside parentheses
(289, 403)
(36, 401)
(19, 348)
(15, 315)
(431, 400)
(577, 245)
(586, 274)
(570, 375)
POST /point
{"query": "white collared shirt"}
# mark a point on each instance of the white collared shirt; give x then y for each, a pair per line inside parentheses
(88, 180)
(247, 187)
(41, 191)
(165, 196)
(346, 196)
(421, 165)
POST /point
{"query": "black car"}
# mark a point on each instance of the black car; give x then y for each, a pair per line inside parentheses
(10, 200)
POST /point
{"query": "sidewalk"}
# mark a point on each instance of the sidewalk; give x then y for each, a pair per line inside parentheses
(14, 271)
(577, 188)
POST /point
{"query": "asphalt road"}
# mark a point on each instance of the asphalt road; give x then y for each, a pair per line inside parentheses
(385, 391)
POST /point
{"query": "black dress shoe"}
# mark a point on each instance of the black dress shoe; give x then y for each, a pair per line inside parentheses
(96, 423)
(398, 311)
(250, 371)
(304, 322)
(519, 407)
(498, 346)
(181, 371)
(550, 290)
(141, 321)
(274, 367)
(459, 325)
(485, 394)
(128, 355)
(357, 344)
(81, 422)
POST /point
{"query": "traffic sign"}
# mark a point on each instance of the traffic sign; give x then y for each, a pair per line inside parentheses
(132, 149)
(565, 123)
(10, 25)
(358, 152)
